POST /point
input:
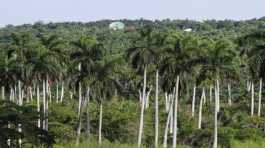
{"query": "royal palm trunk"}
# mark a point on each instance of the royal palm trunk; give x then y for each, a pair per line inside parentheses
(38, 104)
(200, 109)
(175, 128)
(142, 111)
(30, 93)
(156, 111)
(167, 124)
(252, 99)
(44, 105)
(193, 101)
(3, 92)
(20, 103)
(229, 95)
(260, 93)
(100, 125)
(79, 98)
(62, 92)
(79, 124)
(87, 113)
(218, 95)
(57, 92)
(215, 118)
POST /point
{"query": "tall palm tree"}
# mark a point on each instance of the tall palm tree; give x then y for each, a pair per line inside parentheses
(180, 55)
(87, 52)
(219, 63)
(181, 52)
(104, 81)
(252, 46)
(143, 54)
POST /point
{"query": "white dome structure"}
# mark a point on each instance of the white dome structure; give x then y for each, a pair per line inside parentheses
(116, 26)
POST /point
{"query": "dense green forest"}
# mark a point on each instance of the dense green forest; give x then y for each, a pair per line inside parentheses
(163, 83)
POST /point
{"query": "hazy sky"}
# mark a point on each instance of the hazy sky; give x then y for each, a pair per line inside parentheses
(29, 11)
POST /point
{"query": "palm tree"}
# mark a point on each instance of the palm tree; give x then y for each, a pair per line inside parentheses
(181, 52)
(88, 51)
(252, 45)
(144, 54)
(7, 64)
(220, 62)
(103, 82)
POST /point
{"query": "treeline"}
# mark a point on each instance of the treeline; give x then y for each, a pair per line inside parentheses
(155, 75)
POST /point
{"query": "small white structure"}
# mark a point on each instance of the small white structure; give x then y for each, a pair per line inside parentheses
(188, 30)
(116, 26)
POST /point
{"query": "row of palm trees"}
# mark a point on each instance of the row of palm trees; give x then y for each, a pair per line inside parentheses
(169, 60)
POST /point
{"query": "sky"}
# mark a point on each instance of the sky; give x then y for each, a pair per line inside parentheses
(17, 12)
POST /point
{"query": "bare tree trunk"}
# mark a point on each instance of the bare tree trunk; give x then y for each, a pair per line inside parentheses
(193, 101)
(71, 95)
(252, 98)
(48, 89)
(10, 94)
(78, 132)
(215, 118)
(176, 115)
(144, 90)
(3, 92)
(166, 102)
(167, 124)
(38, 103)
(13, 94)
(141, 119)
(57, 92)
(87, 113)
(47, 93)
(79, 98)
(142, 111)
(229, 95)
(200, 109)
(22, 96)
(79, 113)
(100, 126)
(260, 95)
(79, 124)
(172, 114)
(27, 95)
(156, 111)
(62, 92)
(44, 104)
(140, 97)
(218, 96)
(248, 85)
(30, 93)
(20, 103)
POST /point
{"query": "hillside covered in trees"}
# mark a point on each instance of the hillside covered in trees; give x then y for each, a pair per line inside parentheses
(163, 83)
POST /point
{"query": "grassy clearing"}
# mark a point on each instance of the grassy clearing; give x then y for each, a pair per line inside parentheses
(105, 144)
(248, 144)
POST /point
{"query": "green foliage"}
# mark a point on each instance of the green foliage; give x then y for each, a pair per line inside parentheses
(112, 63)
(11, 116)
